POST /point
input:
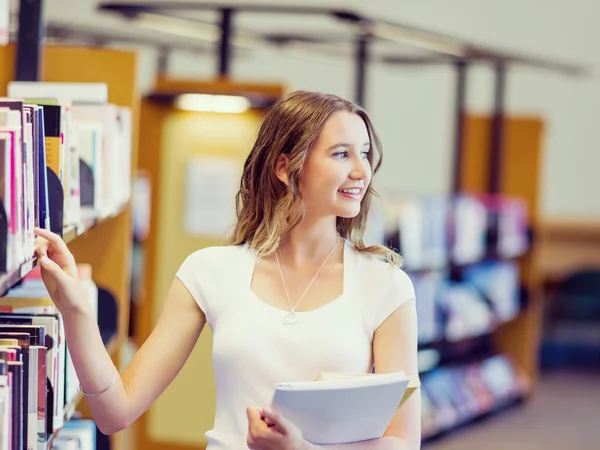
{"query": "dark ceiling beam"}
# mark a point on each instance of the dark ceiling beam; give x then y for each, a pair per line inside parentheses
(469, 51)
(135, 8)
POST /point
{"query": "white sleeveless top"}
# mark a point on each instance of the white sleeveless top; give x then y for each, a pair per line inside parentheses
(253, 349)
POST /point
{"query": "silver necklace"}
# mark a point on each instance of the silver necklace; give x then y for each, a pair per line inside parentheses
(290, 317)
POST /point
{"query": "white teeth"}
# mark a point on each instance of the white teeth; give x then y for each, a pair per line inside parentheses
(351, 191)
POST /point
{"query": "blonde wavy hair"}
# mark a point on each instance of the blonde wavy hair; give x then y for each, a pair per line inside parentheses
(267, 209)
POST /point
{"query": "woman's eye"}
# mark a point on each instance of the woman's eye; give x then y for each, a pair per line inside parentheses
(365, 154)
(342, 154)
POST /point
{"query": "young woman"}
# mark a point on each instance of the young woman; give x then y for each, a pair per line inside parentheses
(296, 293)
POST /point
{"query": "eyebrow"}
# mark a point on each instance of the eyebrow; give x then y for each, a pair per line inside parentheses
(346, 145)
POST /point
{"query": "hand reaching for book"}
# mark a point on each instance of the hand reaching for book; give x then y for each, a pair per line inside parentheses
(59, 271)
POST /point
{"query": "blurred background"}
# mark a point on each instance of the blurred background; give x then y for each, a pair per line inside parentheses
(489, 188)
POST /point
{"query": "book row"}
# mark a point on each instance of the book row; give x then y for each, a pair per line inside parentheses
(453, 396)
(63, 159)
(76, 434)
(38, 383)
(433, 231)
(487, 294)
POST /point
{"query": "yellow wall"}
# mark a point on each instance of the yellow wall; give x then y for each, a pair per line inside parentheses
(186, 410)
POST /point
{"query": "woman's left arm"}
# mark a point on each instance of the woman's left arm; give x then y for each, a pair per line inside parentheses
(395, 349)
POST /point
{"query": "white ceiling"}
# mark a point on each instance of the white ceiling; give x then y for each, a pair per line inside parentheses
(482, 21)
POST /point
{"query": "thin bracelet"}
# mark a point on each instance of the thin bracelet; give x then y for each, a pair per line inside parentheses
(95, 394)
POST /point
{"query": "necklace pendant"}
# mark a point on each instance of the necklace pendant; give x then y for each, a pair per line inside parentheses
(290, 318)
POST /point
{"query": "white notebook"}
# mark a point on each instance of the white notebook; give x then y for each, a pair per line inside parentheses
(342, 408)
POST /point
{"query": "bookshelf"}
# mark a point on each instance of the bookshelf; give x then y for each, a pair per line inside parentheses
(104, 243)
(477, 362)
(467, 288)
(520, 169)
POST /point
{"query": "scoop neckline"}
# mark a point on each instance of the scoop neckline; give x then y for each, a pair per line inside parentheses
(248, 284)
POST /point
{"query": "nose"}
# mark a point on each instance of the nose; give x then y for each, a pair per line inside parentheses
(360, 169)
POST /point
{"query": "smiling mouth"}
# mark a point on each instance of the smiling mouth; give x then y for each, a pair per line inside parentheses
(350, 193)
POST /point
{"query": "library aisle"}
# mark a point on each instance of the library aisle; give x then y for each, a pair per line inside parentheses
(558, 417)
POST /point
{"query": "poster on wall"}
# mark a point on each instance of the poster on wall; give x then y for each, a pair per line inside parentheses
(211, 184)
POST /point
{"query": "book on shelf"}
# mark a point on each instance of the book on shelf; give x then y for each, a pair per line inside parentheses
(77, 434)
(487, 294)
(428, 290)
(17, 179)
(29, 340)
(499, 282)
(420, 223)
(436, 231)
(13, 429)
(468, 228)
(467, 313)
(507, 221)
(453, 396)
(341, 408)
(105, 142)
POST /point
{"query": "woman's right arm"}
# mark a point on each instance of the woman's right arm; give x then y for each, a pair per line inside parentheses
(150, 371)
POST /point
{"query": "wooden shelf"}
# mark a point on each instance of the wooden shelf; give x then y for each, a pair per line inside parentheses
(9, 279)
(70, 233)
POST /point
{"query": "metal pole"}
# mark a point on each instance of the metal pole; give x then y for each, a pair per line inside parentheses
(459, 115)
(163, 61)
(30, 36)
(362, 61)
(497, 134)
(225, 42)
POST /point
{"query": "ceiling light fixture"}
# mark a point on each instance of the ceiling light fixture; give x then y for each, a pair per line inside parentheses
(231, 104)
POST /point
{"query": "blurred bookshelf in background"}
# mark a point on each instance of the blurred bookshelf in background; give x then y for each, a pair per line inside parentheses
(461, 253)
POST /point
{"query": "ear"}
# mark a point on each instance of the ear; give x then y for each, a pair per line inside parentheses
(281, 171)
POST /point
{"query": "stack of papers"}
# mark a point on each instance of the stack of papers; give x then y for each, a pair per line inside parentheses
(339, 408)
